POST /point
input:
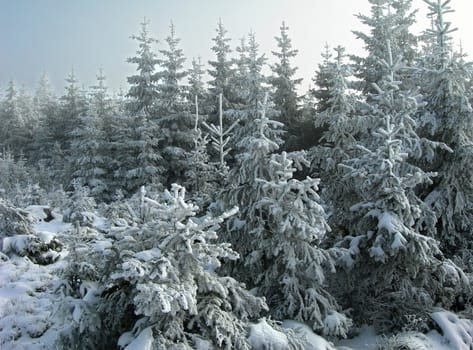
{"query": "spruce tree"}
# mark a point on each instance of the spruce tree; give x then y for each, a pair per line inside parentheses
(143, 91)
(166, 274)
(395, 267)
(175, 120)
(196, 87)
(89, 156)
(73, 106)
(285, 97)
(447, 118)
(341, 128)
(253, 89)
(140, 161)
(221, 70)
(278, 230)
(321, 80)
(46, 105)
(11, 120)
(389, 20)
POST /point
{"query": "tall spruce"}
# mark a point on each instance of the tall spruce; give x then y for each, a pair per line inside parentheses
(221, 70)
(389, 20)
(90, 141)
(175, 120)
(448, 118)
(392, 260)
(143, 91)
(139, 156)
(285, 86)
(340, 127)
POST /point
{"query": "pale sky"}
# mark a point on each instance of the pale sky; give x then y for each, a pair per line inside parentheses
(58, 35)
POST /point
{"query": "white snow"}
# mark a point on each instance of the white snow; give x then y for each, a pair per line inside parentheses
(312, 341)
(143, 342)
(263, 336)
(457, 332)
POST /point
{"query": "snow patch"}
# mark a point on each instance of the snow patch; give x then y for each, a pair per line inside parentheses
(263, 336)
(458, 332)
(143, 342)
(311, 340)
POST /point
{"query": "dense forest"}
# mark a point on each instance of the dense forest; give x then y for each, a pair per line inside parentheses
(204, 201)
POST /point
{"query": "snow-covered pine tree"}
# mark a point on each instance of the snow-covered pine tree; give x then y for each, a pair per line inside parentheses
(73, 105)
(285, 97)
(102, 106)
(201, 174)
(252, 88)
(321, 80)
(278, 229)
(221, 70)
(395, 267)
(10, 118)
(256, 89)
(170, 88)
(29, 123)
(46, 105)
(239, 78)
(164, 270)
(175, 120)
(448, 118)
(89, 158)
(19, 121)
(389, 20)
(87, 161)
(243, 189)
(293, 266)
(139, 158)
(80, 206)
(341, 127)
(143, 91)
(196, 87)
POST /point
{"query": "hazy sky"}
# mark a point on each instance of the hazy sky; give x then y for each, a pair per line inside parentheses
(58, 35)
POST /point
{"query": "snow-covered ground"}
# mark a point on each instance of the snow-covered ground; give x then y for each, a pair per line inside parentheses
(29, 319)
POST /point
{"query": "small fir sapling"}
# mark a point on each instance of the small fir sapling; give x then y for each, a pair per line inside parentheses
(165, 272)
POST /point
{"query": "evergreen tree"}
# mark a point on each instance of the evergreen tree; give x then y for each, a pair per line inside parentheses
(221, 70)
(196, 86)
(90, 140)
(143, 91)
(137, 141)
(448, 118)
(12, 124)
(389, 20)
(29, 126)
(321, 80)
(175, 121)
(166, 275)
(341, 128)
(395, 267)
(285, 86)
(239, 78)
(293, 266)
(137, 159)
(278, 230)
(46, 105)
(252, 89)
(243, 188)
